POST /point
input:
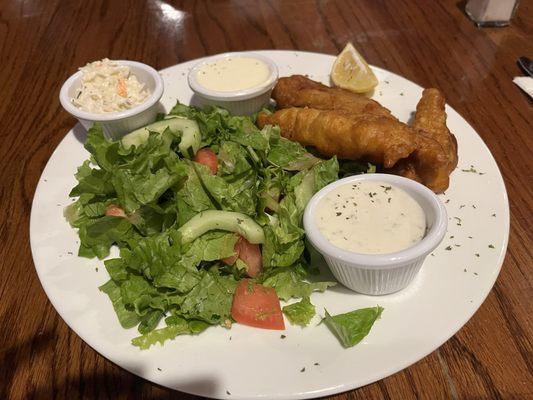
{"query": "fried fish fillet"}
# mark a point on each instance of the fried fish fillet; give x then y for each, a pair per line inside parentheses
(367, 137)
(352, 126)
(430, 118)
(428, 164)
(436, 154)
(300, 91)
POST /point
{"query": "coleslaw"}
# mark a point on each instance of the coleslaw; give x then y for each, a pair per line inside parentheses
(107, 86)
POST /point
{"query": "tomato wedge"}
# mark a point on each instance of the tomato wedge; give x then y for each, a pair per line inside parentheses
(115, 211)
(250, 254)
(256, 305)
(207, 157)
(231, 260)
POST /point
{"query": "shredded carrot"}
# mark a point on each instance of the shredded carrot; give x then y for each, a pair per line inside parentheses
(121, 89)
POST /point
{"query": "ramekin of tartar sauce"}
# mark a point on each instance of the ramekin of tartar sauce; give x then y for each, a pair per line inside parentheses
(375, 230)
(121, 95)
(238, 82)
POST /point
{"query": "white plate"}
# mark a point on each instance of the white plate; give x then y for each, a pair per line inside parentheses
(243, 362)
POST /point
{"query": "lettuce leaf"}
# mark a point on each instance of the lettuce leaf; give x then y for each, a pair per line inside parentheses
(239, 195)
(175, 326)
(290, 156)
(156, 277)
(289, 282)
(127, 318)
(211, 246)
(284, 234)
(169, 332)
(98, 235)
(350, 328)
(211, 299)
(300, 313)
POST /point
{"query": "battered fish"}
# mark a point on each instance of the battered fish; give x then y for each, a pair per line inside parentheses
(428, 164)
(436, 154)
(369, 137)
(300, 91)
(352, 126)
(430, 118)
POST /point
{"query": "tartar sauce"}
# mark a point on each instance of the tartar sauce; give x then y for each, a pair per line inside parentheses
(233, 73)
(370, 217)
(107, 86)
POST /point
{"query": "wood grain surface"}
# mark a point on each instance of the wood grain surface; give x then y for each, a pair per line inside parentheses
(430, 42)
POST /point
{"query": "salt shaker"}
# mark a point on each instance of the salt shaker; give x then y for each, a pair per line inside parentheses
(491, 12)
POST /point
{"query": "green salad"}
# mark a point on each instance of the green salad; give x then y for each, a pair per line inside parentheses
(184, 225)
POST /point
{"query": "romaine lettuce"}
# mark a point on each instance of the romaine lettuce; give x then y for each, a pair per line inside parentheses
(157, 277)
(351, 327)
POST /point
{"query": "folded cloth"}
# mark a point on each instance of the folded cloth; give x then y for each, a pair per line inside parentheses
(525, 83)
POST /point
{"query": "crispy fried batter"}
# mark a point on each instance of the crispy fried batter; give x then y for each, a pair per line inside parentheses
(430, 117)
(436, 154)
(367, 137)
(427, 165)
(352, 126)
(300, 91)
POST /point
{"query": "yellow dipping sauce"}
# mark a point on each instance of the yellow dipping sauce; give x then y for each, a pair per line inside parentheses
(233, 73)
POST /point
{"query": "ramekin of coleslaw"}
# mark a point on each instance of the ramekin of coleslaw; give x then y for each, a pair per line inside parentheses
(121, 95)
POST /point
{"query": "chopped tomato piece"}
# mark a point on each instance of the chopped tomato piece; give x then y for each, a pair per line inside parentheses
(250, 254)
(257, 305)
(115, 211)
(207, 157)
(231, 260)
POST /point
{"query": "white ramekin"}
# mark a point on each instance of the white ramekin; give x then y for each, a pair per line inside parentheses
(378, 274)
(238, 102)
(117, 124)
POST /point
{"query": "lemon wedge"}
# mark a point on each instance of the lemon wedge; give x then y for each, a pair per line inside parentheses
(350, 71)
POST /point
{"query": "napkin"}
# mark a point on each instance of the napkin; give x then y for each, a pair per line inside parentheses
(525, 83)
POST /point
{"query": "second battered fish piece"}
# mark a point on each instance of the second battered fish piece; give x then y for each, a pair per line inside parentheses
(428, 164)
(430, 117)
(436, 154)
(300, 91)
(370, 137)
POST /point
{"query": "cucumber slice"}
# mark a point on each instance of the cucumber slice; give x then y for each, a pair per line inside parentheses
(223, 220)
(135, 138)
(190, 139)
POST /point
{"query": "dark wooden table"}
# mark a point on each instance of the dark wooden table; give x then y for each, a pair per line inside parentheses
(429, 42)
